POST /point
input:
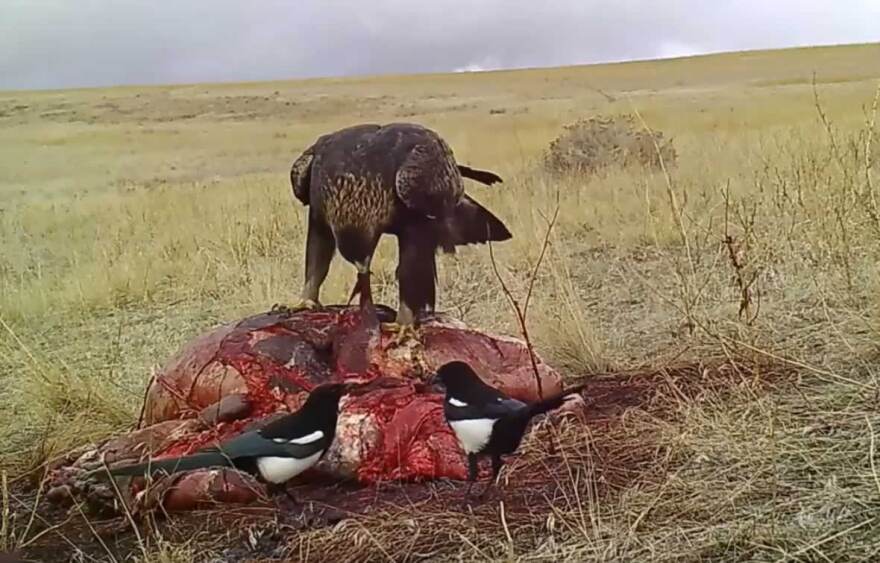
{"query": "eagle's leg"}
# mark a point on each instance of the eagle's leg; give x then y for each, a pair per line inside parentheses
(405, 325)
(355, 353)
(355, 291)
(320, 247)
(366, 290)
(362, 286)
(416, 275)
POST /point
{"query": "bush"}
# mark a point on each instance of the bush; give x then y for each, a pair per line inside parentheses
(589, 145)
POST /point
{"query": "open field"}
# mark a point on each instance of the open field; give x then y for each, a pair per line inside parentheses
(131, 219)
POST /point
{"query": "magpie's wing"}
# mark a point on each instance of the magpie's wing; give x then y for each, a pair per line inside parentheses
(494, 407)
(254, 444)
(503, 407)
(298, 433)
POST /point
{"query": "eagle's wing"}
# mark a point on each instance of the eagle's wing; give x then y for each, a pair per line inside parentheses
(330, 152)
(482, 176)
(471, 223)
(428, 180)
(301, 174)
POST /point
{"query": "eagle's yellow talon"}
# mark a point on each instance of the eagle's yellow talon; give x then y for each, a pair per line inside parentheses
(404, 333)
(303, 305)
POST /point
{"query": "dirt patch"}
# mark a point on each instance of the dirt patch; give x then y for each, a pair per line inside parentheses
(588, 454)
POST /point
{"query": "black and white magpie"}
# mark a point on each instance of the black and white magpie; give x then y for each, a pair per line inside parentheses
(485, 421)
(275, 453)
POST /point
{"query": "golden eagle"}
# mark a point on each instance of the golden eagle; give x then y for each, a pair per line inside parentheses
(402, 179)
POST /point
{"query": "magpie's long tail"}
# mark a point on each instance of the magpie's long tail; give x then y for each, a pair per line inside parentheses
(173, 465)
(547, 405)
(482, 176)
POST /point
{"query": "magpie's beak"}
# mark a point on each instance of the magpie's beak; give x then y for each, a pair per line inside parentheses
(435, 384)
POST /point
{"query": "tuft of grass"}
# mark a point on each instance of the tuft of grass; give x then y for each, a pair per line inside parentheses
(591, 145)
(169, 552)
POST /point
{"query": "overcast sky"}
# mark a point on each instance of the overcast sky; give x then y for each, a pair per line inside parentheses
(63, 43)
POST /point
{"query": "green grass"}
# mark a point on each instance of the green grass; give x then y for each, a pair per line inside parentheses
(131, 219)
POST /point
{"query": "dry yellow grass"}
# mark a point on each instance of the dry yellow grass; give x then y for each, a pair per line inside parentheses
(133, 218)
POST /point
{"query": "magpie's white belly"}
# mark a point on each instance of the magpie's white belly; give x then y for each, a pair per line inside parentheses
(282, 469)
(473, 434)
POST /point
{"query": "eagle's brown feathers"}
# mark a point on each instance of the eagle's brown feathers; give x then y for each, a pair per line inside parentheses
(401, 179)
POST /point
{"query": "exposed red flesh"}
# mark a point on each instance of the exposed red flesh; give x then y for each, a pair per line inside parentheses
(392, 428)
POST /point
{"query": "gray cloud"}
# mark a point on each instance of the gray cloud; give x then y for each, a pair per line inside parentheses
(62, 43)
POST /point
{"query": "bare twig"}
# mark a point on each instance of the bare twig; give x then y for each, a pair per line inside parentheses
(38, 367)
(95, 533)
(6, 540)
(871, 452)
(544, 247)
(873, 209)
(522, 311)
(520, 317)
(677, 211)
(686, 279)
(829, 130)
(140, 421)
(733, 343)
(126, 510)
(848, 195)
(736, 261)
(829, 538)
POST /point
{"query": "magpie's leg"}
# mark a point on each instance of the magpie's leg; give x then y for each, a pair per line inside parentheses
(275, 490)
(473, 470)
(290, 496)
(497, 463)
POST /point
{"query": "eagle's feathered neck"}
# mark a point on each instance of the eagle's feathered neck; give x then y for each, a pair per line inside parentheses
(356, 245)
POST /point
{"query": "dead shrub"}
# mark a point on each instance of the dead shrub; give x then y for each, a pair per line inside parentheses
(589, 145)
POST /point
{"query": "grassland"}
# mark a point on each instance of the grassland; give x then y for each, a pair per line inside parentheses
(132, 219)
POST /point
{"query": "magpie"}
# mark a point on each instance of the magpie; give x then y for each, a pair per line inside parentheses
(485, 421)
(275, 453)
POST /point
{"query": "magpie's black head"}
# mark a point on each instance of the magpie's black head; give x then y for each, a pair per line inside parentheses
(463, 383)
(324, 399)
(327, 393)
(319, 412)
(457, 376)
(467, 396)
